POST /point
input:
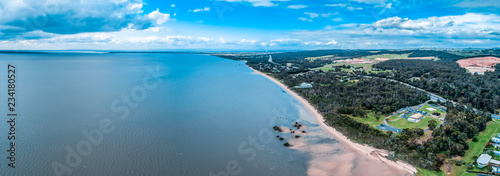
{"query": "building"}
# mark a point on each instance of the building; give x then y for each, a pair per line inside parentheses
(495, 141)
(483, 160)
(495, 163)
(304, 85)
(416, 117)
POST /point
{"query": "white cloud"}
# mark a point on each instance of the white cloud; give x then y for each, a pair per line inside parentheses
(371, 1)
(316, 15)
(68, 16)
(258, 3)
(479, 3)
(159, 17)
(337, 19)
(332, 42)
(312, 15)
(468, 30)
(326, 15)
(470, 25)
(204, 9)
(305, 19)
(337, 5)
(173, 5)
(296, 6)
(351, 8)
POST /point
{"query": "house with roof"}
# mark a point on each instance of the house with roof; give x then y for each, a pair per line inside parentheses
(495, 141)
(483, 160)
(305, 85)
(416, 117)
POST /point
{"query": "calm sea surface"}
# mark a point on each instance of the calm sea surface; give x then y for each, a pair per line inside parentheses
(206, 115)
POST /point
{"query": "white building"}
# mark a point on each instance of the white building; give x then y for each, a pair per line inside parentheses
(483, 160)
(416, 117)
(495, 141)
(305, 85)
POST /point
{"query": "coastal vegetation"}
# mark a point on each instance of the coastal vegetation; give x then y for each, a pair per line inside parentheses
(354, 100)
(449, 80)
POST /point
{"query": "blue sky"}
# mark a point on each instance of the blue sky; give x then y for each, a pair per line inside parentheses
(247, 24)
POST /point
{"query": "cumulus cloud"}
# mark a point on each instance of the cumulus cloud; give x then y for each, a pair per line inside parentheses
(395, 32)
(158, 17)
(70, 17)
(460, 24)
(296, 6)
(258, 3)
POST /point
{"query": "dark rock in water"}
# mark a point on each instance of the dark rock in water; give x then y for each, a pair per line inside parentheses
(276, 128)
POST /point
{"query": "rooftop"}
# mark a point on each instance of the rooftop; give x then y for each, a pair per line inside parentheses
(484, 159)
(416, 116)
(495, 162)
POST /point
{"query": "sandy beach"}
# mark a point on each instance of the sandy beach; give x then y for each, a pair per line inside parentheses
(374, 161)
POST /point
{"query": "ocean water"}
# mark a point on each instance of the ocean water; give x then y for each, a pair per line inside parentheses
(146, 114)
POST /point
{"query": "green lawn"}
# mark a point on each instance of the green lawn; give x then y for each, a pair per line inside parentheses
(370, 120)
(403, 123)
(389, 56)
(476, 148)
(425, 172)
(394, 117)
(424, 108)
(329, 67)
(354, 65)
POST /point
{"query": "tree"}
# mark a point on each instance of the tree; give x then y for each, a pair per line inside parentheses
(377, 116)
(432, 124)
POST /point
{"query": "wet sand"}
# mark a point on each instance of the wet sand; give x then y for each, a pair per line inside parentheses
(343, 157)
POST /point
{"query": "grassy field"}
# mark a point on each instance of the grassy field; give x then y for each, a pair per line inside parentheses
(424, 108)
(403, 123)
(327, 67)
(389, 56)
(311, 59)
(394, 117)
(476, 148)
(425, 172)
(370, 120)
(354, 65)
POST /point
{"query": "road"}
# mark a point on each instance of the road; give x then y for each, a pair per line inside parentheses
(431, 95)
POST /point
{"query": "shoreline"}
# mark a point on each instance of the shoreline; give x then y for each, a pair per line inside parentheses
(373, 153)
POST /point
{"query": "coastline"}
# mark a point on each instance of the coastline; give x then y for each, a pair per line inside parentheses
(373, 153)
